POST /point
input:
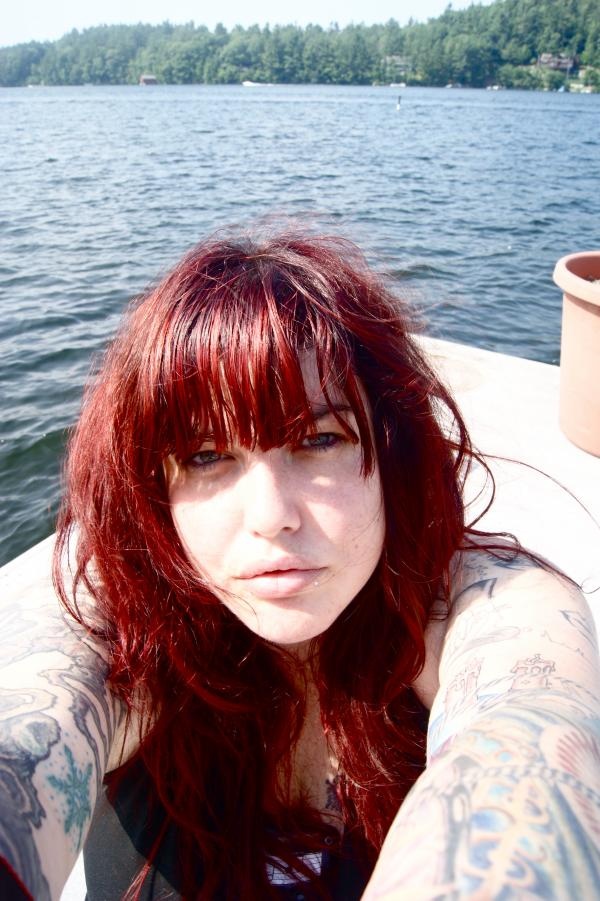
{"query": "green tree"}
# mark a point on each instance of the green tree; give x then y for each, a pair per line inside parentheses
(356, 64)
(474, 46)
(318, 56)
(17, 63)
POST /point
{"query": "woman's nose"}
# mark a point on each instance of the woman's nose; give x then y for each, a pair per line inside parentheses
(270, 499)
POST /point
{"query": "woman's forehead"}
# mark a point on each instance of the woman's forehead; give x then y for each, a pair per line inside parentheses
(322, 391)
(316, 397)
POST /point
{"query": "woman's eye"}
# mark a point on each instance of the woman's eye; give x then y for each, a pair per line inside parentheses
(205, 459)
(321, 441)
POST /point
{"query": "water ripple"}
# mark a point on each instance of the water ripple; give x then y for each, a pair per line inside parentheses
(465, 198)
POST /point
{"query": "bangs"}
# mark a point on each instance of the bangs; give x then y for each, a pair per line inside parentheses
(233, 370)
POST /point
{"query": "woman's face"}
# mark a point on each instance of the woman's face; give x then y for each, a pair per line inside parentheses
(286, 537)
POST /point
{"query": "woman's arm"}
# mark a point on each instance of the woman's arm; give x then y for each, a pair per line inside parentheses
(57, 722)
(509, 805)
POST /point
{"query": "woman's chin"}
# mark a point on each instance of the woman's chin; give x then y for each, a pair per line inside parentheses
(290, 640)
(290, 632)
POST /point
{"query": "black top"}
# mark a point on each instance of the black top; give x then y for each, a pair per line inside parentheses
(124, 829)
(128, 820)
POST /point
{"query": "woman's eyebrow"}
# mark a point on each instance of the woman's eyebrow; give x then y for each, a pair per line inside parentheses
(322, 410)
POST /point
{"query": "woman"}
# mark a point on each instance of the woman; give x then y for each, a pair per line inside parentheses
(272, 579)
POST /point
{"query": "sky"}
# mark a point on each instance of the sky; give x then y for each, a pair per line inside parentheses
(45, 20)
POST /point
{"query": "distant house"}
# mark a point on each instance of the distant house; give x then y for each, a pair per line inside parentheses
(148, 79)
(396, 66)
(559, 62)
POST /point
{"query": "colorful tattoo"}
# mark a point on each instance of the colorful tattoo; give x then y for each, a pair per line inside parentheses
(520, 797)
(509, 805)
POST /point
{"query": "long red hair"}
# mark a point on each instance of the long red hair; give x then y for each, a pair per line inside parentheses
(218, 344)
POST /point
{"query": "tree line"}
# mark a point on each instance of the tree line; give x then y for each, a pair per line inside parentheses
(476, 47)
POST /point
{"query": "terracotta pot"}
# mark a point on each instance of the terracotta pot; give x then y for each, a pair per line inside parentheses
(579, 277)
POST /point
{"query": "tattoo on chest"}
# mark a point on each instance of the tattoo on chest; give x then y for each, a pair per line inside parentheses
(332, 801)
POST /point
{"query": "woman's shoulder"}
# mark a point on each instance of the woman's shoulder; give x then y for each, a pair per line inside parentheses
(35, 619)
(499, 580)
(501, 597)
(58, 721)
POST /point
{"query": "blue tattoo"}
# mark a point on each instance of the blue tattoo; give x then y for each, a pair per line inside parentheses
(76, 789)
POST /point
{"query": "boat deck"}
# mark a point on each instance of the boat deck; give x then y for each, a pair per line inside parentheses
(548, 490)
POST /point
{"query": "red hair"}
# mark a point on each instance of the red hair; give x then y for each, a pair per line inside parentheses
(217, 344)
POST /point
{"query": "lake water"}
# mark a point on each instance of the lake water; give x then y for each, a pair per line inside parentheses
(468, 196)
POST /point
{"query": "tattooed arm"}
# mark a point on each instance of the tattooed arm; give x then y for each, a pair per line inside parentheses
(509, 805)
(57, 721)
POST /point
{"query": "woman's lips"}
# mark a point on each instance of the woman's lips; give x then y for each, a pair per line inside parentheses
(281, 583)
